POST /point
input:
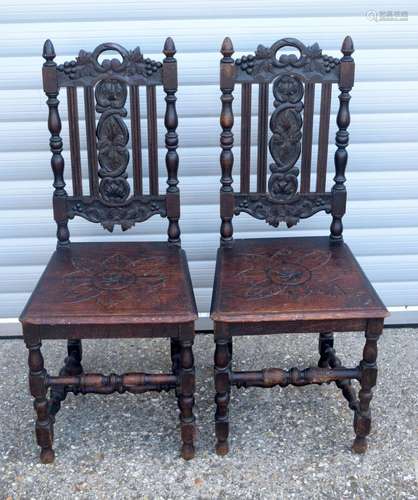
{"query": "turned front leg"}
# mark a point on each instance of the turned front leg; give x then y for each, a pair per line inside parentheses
(186, 398)
(38, 389)
(223, 353)
(362, 416)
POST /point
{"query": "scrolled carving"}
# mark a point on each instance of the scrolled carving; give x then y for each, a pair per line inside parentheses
(266, 208)
(285, 142)
(112, 139)
(138, 209)
(264, 64)
(86, 67)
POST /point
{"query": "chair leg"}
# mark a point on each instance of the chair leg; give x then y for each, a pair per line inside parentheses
(75, 355)
(72, 366)
(362, 416)
(175, 355)
(223, 355)
(326, 341)
(186, 377)
(38, 389)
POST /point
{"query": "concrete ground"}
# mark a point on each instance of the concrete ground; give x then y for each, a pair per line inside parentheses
(285, 443)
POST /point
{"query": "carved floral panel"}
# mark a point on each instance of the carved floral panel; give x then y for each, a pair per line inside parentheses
(112, 139)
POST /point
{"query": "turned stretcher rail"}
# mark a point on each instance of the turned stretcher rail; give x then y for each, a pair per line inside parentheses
(106, 384)
(276, 376)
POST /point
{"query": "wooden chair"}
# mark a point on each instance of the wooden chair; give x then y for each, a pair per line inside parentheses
(298, 284)
(112, 290)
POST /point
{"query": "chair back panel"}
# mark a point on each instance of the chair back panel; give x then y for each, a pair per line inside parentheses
(110, 87)
(285, 194)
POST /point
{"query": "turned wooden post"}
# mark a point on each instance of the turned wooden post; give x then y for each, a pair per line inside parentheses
(368, 366)
(75, 355)
(50, 84)
(339, 194)
(186, 378)
(223, 388)
(175, 355)
(38, 389)
(227, 78)
(72, 366)
(326, 341)
(171, 141)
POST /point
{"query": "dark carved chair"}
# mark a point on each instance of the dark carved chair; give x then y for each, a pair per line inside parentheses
(298, 284)
(108, 289)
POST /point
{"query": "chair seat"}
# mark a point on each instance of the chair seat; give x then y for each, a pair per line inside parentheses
(107, 283)
(291, 279)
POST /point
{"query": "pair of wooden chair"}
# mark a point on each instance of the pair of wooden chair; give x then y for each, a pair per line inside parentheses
(141, 290)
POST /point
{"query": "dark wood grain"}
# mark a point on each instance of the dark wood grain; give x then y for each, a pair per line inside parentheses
(55, 143)
(345, 85)
(263, 113)
(285, 279)
(171, 140)
(321, 166)
(113, 283)
(136, 139)
(308, 105)
(152, 140)
(271, 286)
(91, 140)
(227, 77)
(74, 141)
(112, 290)
(245, 137)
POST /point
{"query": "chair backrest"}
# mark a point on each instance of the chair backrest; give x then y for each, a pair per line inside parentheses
(107, 85)
(293, 78)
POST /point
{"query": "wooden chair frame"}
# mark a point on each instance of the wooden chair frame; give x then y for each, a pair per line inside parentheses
(109, 203)
(282, 203)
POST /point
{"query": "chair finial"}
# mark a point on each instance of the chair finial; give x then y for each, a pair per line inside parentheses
(48, 52)
(227, 48)
(347, 47)
(169, 47)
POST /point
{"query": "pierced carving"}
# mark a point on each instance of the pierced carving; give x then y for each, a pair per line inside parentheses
(264, 65)
(265, 207)
(137, 209)
(86, 67)
(285, 143)
(112, 139)
(107, 282)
